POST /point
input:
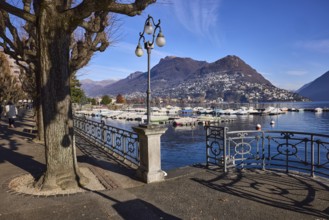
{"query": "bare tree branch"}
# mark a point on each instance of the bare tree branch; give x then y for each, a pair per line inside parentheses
(85, 9)
(16, 11)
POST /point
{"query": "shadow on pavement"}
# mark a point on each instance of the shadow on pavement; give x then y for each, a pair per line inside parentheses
(24, 162)
(9, 144)
(100, 158)
(137, 209)
(142, 209)
(284, 191)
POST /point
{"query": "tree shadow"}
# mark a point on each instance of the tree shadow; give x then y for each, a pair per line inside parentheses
(139, 209)
(136, 209)
(9, 147)
(10, 133)
(283, 191)
(22, 161)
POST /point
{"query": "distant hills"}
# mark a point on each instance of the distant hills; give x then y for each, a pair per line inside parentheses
(227, 79)
(91, 88)
(317, 90)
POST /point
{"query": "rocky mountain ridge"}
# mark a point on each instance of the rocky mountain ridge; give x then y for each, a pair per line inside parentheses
(227, 79)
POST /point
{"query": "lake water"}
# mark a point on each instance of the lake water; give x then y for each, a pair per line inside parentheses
(182, 146)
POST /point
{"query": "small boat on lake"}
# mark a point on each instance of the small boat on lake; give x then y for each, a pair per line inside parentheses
(185, 121)
(318, 110)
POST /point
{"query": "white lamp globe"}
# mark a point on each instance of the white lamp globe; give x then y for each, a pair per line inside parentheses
(160, 40)
(139, 51)
(148, 28)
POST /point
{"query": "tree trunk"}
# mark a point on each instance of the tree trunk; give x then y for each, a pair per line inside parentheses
(39, 122)
(54, 41)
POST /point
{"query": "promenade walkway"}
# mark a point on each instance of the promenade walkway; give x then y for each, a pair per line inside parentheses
(188, 193)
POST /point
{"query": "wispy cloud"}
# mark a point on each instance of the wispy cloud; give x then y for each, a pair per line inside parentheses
(265, 73)
(99, 72)
(130, 48)
(198, 16)
(296, 72)
(321, 46)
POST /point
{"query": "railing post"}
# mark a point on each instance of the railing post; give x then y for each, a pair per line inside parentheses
(103, 134)
(312, 156)
(150, 152)
(263, 151)
(207, 144)
(287, 155)
(225, 149)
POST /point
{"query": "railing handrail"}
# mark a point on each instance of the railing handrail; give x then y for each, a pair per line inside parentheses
(122, 142)
(278, 131)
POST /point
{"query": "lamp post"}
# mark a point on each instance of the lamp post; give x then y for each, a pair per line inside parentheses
(148, 46)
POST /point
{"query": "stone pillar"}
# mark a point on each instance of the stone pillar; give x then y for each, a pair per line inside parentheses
(150, 152)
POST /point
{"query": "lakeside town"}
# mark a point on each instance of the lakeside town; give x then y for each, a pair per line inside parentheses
(179, 116)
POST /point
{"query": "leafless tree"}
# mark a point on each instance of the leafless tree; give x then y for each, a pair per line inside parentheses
(10, 88)
(47, 48)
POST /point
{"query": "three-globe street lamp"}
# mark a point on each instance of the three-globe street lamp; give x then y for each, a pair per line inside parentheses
(148, 46)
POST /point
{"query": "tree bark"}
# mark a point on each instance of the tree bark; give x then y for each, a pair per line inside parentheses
(54, 41)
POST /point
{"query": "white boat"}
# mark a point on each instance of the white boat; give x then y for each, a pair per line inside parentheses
(252, 111)
(272, 111)
(230, 111)
(173, 110)
(242, 111)
(219, 111)
(201, 110)
(155, 118)
(207, 118)
(318, 110)
(185, 121)
(159, 111)
(276, 111)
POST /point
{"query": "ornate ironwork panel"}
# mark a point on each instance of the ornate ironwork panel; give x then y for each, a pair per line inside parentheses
(246, 148)
(287, 150)
(123, 143)
(215, 144)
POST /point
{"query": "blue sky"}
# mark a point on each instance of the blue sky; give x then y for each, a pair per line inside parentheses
(287, 41)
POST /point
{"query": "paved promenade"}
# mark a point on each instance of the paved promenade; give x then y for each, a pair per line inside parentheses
(188, 193)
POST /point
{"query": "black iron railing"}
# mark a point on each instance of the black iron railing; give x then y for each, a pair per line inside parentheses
(287, 150)
(122, 143)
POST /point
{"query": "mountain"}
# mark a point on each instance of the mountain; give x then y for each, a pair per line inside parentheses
(317, 90)
(233, 65)
(229, 79)
(169, 72)
(91, 88)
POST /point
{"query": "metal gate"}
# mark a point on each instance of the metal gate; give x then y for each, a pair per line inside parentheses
(285, 150)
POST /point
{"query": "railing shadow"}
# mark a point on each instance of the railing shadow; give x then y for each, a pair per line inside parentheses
(98, 157)
(283, 191)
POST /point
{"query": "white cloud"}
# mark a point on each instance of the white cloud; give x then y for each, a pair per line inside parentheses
(265, 73)
(321, 46)
(198, 16)
(129, 48)
(99, 72)
(297, 72)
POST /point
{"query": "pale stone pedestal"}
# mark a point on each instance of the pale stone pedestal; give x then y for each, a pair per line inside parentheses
(150, 152)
